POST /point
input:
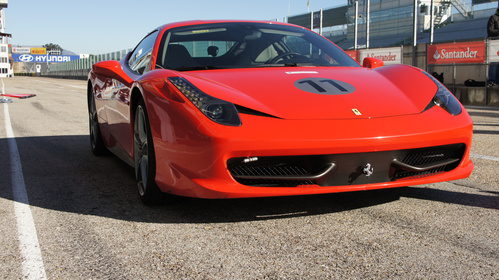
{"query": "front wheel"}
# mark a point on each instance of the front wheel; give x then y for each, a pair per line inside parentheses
(144, 158)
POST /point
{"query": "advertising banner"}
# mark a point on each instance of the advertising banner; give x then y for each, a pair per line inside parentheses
(493, 51)
(387, 55)
(21, 50)
(450, 53)
(44, 58)
(38, 51)
(353, 54)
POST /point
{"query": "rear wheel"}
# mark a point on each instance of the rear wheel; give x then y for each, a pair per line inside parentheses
(145, 160)
(96, 143)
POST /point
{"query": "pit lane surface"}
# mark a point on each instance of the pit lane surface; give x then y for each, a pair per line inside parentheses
(91, 225)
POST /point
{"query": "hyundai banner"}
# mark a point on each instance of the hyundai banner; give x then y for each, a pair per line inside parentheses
(44, 58)
(387, 55)
(453, 53)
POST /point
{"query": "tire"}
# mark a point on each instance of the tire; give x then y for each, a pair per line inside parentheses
(96, 143)
(144, 158)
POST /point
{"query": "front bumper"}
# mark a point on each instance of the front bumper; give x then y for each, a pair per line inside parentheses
(195, 162)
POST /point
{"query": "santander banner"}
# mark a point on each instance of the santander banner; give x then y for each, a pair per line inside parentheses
(387, 55)
(353, 54)
(466, 52)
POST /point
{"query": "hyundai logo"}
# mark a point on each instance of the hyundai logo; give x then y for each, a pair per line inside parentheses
(26, 58)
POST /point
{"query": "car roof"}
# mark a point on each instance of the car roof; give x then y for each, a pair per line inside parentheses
(198, 22)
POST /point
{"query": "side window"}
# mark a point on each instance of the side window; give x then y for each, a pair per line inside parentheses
(141, 56)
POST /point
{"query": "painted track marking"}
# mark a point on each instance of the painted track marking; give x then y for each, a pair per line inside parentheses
(484, 157)
(32, 262)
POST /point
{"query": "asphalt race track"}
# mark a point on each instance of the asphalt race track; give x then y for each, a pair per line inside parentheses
(84, 220)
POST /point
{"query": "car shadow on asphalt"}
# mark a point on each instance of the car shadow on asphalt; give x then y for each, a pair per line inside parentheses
(61, 174)
(468, 199)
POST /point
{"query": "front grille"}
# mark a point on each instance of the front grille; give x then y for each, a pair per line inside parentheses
(430, 156)
(276, 171)
(272, 169)
(345, 169)
(280, 169)
(413, 174)
(274, 183)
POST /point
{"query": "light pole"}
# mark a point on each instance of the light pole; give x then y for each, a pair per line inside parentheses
(356, 23)
(415, 33)
(311, 20)
(368, 22)
(415, 24)
(432, 19)
(320, 22)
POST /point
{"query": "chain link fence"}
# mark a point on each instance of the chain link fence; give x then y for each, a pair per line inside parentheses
(78, 69)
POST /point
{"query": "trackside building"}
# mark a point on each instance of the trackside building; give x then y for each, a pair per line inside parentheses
(5, 66)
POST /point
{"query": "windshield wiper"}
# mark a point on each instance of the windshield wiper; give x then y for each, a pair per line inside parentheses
(199, 67)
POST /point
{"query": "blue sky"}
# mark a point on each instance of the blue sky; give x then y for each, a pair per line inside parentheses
(99, 26)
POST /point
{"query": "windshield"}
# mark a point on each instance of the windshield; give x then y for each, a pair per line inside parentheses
(246, 45)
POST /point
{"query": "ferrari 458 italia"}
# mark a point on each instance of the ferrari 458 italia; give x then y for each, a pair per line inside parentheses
(229, 109)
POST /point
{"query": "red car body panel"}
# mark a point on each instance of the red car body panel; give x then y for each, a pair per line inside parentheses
(192, 151)
(273, 93)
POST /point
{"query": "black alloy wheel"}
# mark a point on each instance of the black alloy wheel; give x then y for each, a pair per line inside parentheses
(144, 158)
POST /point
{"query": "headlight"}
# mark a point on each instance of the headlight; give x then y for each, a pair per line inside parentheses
(444, 98)
(215, 109)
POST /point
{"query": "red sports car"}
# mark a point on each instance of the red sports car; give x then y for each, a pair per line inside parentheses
(227, 109)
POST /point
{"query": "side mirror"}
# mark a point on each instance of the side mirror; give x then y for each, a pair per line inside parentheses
(112, 69)
(370, 62)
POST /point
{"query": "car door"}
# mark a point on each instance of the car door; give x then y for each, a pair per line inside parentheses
(118, 113)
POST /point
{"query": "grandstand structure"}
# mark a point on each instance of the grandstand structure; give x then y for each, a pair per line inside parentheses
(391, 22)
(5, 65)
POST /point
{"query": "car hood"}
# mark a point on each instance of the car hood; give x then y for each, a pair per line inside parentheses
(286, 92)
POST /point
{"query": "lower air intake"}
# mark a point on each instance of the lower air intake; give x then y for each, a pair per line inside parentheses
(345, 169)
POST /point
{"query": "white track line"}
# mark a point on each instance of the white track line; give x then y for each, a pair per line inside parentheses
(485, 157)
(32, 262)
